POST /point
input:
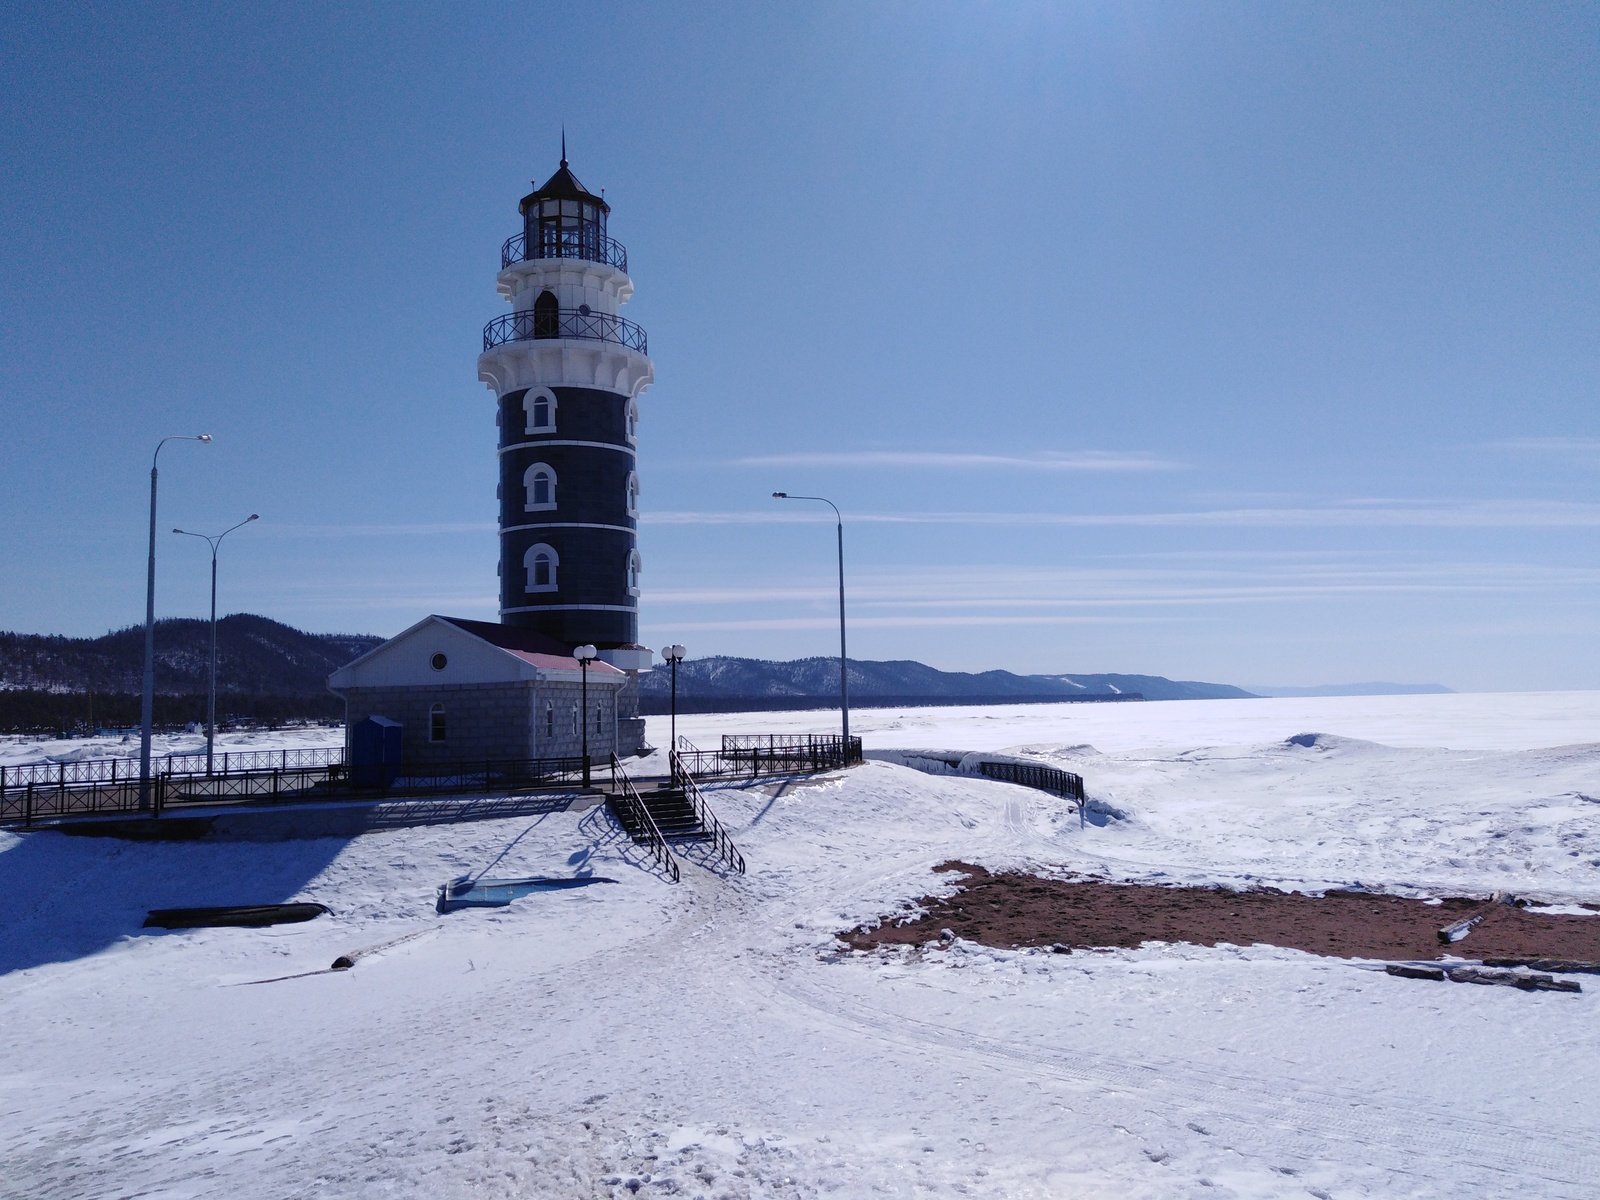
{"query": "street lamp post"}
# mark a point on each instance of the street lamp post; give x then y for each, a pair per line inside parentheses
(585, 655)
(674, 655)
(211, 697)
(147, 702)
(844, 680)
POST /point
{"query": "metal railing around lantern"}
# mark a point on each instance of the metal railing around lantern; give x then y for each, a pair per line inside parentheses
(564, 323)
(591, 248)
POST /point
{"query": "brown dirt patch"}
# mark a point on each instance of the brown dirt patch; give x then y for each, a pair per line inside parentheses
(1014, 910)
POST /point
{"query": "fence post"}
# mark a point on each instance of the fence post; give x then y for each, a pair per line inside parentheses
(27, 817)
(274, 783)
(158, 786)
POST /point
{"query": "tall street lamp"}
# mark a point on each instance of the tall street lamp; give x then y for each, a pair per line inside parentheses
(148, 701)
(585, 655)
(211, 698)
(674, 655)
(844, 681)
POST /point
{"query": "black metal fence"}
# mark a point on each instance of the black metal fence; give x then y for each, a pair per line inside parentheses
(59, 798)
(120, 770)
(750, 755)
(1046, 779)
(589, 246)
(564, 323)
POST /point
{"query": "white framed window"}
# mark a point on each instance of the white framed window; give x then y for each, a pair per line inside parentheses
(541, 562)
(539, 481)
(633, 422)
(436, 728)
(633, 493)
(540, 405)
(635, 565)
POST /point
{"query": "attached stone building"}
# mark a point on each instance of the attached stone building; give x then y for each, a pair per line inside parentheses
(471, 691)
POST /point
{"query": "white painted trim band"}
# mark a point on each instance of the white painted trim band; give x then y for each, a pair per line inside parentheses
(560, 442)
(628, 608)
(567, 525)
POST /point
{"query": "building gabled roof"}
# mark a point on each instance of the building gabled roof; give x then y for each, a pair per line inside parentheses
(529, 645)
(533, 649)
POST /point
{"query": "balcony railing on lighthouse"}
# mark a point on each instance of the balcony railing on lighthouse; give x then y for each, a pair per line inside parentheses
(586, 245)
(564, 323)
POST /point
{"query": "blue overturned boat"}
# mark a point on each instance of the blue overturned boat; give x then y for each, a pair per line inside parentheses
(467, 892)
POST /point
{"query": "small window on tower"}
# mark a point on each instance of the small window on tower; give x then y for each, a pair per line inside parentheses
(634, 566)
(541, 409)
(540, 482)
(633, 422)
(541, 562)
(633, 494)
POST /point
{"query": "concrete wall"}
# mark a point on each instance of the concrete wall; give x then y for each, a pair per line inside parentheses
(498, 720)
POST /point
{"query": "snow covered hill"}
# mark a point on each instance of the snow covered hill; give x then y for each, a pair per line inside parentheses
(710, 1039)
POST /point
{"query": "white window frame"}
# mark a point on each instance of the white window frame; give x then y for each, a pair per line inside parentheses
(529, 505)
(529, 555)
(633, 493)
(631, 422)
(533, 394)
(635, 567)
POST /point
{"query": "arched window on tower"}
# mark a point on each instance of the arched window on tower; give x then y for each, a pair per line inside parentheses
(546, 316)
(540, 405)
(633, 494)
(633, 422)
(541, 562)
(635, 565)
(540, 482)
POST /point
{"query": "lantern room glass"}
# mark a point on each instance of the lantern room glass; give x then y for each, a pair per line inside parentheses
(565, 229)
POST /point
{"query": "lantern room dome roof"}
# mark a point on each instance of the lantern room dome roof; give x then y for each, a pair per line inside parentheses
(563, 185)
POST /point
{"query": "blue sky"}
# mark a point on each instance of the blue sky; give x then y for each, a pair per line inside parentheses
(1250, 342)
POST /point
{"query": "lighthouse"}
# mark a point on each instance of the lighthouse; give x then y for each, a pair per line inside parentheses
(567, 370)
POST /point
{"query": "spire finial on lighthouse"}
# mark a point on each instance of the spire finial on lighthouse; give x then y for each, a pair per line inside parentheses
(563, 145)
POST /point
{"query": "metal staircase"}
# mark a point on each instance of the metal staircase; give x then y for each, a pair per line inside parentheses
(672, 812)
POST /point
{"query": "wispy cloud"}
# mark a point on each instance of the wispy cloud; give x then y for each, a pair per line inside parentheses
(419, 529)
(1049, 460)
(1585, 450)
(1067, 595)
(1509, 514)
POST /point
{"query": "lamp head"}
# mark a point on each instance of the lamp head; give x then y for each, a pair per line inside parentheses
(780, 495)
(673, 653)
(204, 437)
(585, 653)
(255, 516)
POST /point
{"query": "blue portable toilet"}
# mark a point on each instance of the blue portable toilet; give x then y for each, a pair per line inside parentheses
(375, 751)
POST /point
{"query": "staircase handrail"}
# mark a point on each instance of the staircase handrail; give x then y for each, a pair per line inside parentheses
(702, 811)
(622, 789)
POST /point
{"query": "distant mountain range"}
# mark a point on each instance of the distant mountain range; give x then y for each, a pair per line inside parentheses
(729, 684)
(269, 671)
(1360, 689)
(266, 671)
(255, 655)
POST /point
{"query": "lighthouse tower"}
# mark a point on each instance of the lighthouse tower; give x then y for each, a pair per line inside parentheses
(568, 371)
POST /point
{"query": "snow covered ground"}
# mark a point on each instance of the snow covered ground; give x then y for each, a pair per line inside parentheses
(27, 748)
(707, 1039)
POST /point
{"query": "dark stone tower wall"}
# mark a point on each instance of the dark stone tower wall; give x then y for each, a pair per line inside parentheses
(590, 528)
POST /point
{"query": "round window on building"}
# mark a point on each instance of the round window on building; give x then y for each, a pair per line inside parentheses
(438, 661)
